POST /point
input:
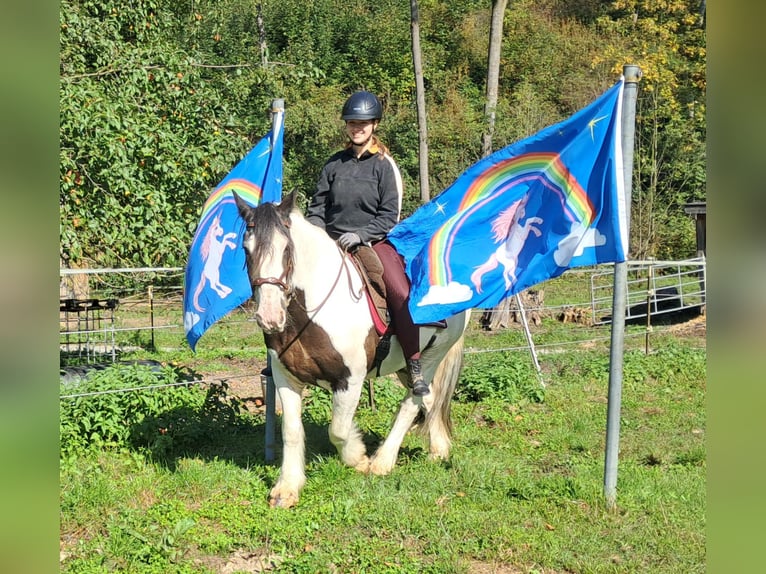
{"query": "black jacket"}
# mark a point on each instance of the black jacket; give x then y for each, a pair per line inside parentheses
(362, 195)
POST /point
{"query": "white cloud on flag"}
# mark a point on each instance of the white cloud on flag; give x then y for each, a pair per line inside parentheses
(575, 243)
(443, 295)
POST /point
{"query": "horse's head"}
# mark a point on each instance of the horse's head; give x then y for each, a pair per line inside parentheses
(269, 255)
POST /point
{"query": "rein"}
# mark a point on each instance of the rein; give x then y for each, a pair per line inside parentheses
(343, 265)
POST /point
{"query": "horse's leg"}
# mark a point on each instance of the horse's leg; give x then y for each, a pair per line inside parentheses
(344, 433)
(384, 459)
(438, 423)
(292, 476)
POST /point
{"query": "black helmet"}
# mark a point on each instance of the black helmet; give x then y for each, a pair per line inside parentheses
(362, 106)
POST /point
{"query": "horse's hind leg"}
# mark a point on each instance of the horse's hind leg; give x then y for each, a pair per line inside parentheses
(344, 433)
(384, 459)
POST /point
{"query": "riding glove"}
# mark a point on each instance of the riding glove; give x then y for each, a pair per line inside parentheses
(349, 240)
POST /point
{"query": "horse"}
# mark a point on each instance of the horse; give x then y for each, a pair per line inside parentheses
(318, 329)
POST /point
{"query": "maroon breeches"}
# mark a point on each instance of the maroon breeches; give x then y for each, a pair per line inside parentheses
(397, 298)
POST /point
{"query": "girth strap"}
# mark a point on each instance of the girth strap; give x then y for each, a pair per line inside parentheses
(381, 352)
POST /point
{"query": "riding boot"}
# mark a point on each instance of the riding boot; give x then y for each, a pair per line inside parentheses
(419, 386)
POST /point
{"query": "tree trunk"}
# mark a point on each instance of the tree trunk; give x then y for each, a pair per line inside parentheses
(508, 311)
(499, 316)
(262, 36)
(417, 61)
(493, 72)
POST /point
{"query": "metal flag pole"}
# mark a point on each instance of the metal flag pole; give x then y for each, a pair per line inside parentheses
(530, 342)
(632, 74)
(267, 380)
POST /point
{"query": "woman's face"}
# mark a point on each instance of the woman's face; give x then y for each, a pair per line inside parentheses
(360, 131)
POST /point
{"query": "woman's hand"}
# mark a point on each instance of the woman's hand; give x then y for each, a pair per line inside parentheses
(348, 240)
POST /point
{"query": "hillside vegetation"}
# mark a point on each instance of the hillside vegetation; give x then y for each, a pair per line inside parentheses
(160, 99)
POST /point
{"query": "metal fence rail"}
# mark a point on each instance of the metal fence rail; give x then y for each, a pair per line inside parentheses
(94, 328)
(655, 288)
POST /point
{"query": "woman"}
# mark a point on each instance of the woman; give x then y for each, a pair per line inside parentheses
(357, 201)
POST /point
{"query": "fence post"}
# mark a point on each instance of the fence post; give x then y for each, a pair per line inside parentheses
(150, 291)
(632, 74)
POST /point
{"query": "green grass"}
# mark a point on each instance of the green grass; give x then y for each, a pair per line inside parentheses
(523, 487)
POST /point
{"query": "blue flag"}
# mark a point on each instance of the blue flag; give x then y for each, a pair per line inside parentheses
(522, 215)
(216, 279)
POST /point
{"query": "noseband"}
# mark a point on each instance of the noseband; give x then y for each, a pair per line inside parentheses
(272, 281)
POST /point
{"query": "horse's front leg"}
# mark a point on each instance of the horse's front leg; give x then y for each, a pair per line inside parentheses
(292, 475)
(344, 433)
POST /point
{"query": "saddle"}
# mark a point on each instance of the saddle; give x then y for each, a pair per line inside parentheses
(371, 270)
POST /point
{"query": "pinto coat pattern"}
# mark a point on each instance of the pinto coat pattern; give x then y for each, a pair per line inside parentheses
(318, 330)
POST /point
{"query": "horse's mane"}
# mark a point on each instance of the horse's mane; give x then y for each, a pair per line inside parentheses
(269, 220)
(503, 222)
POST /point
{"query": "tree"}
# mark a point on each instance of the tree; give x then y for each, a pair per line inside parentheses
(667, 40)
(493, 72)
(420, 92)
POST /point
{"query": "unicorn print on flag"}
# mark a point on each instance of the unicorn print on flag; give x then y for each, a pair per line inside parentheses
(508, 225)
(212, 254)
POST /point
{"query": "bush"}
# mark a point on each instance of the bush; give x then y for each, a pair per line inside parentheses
(498, 376)
(91, 421)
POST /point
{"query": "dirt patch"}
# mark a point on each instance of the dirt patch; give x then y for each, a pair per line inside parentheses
(693, 328)
(242, 376)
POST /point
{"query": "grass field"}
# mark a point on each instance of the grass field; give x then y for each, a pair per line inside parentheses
(174, 480)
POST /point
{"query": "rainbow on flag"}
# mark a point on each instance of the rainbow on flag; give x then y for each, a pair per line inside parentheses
(522, 215)
(216, 280)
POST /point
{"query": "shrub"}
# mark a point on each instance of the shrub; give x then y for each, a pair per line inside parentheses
(498, 376)
(110, 404)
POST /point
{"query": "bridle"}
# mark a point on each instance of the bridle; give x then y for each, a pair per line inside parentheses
(272, 281)
(281, 281)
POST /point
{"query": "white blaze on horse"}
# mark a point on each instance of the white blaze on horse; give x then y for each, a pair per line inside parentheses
(319, 331)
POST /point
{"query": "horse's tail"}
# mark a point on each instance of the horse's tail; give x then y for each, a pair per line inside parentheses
(197, 291)
(439, 418)
(485, 267)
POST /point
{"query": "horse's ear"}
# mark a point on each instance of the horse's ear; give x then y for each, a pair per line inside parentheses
(242, 205)
(287, 205)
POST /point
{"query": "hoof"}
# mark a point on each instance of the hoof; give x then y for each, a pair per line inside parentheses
(363, 466)
(379, 468)
(282, 500)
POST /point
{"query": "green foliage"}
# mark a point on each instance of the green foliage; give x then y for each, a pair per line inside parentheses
(672, 364)
(109, 409)
(159, 99)
(498, 376)
(113, 409)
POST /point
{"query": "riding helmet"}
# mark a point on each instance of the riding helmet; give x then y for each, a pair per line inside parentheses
(362, 105)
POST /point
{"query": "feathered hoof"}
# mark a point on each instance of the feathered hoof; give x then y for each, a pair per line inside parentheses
(379, 467)
(363, 466)
(279, 498)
